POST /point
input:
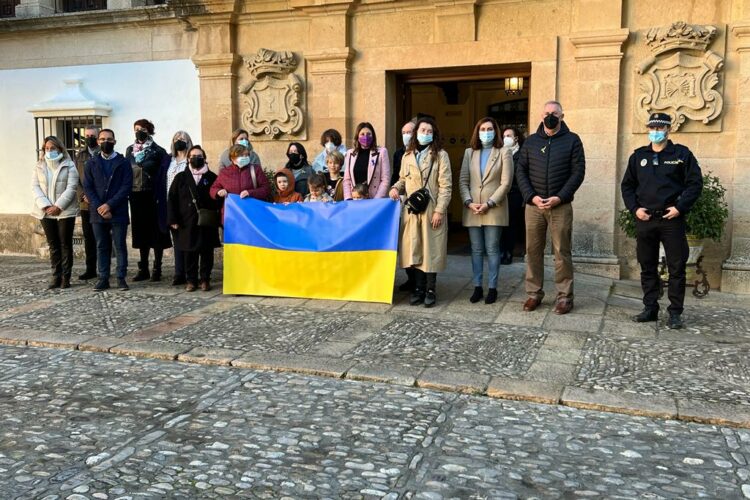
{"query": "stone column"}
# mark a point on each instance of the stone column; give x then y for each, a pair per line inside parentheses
(329, 65)
(735, 275)
(595, 114)
(217, 70)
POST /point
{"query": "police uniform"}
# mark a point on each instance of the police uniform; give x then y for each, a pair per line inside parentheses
(656, 181)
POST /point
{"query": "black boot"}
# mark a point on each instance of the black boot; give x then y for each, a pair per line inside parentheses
(506, 259)
(143, 273)
(477, 295)
(675, 321)
(156, 273)
(491, 296)
(417, 296)
(408, 285)
(430, 298)
(646, 316)
(54, 282)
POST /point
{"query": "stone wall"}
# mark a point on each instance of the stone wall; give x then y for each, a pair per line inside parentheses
(584, 53)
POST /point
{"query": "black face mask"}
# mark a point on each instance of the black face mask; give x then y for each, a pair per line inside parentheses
(294, 158)
(551, 122)
(91, 142)
(197, 162)
(141, 135)
(107, 147)
(180, 145)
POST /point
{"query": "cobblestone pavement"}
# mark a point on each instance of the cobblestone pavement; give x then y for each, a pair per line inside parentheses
(81, 425)
(593, 358)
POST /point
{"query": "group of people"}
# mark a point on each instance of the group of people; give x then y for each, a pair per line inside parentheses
(175, 199)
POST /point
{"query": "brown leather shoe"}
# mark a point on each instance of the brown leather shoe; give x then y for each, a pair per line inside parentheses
(205, 286)
(531, 304)
(190, 287)
(563, 306)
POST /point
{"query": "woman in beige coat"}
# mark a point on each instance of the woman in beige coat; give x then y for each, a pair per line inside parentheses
(486, 177)
(424, 236)
(54, 185)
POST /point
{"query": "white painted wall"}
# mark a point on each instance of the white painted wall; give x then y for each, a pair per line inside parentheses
(165, 92)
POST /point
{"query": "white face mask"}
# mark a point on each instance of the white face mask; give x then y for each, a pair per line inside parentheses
(330, 146)
(406, 138)
(508, 142)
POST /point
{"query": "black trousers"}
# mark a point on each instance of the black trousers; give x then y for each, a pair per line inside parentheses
(192, 267)
(59, 233)
(89, 242)
(670, 233)
(515, 233)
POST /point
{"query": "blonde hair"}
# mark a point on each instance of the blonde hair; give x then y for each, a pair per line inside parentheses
(177, 135)
(336, 156)
(58, 144)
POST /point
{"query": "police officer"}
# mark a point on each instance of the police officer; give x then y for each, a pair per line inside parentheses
(661, 184)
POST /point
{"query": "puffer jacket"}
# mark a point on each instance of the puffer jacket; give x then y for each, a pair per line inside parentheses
(551, 166)
(61, 192)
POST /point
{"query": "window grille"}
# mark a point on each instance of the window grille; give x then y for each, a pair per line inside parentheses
(8, 8)
(71, 130)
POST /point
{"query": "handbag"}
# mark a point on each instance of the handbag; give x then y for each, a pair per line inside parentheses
(417, 202)
(206, 216)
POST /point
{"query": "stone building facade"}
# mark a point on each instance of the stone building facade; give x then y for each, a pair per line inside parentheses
(289, 69)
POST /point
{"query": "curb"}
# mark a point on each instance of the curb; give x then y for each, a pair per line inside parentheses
(498, 387)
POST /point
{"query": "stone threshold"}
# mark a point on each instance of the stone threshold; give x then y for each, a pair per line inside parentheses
(535, 391)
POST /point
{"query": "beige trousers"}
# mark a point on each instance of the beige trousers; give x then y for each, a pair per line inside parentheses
(559, 221)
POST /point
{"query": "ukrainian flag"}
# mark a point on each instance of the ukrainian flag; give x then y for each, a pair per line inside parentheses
(340, 251)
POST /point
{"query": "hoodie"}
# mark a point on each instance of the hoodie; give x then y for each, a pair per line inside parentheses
(289, 195)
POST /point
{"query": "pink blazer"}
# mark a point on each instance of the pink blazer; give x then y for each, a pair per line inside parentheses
(378, 173)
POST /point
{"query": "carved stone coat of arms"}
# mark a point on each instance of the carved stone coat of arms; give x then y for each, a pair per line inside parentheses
(681, 77)
(274, 97)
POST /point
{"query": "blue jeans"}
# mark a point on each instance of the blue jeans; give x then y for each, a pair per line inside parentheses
(485, 238)
(107, 234)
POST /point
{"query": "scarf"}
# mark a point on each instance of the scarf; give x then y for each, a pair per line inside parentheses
(197, 174)
(138, 147)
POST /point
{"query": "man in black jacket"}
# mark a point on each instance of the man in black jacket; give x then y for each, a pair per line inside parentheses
(551, 167)
(662, 183)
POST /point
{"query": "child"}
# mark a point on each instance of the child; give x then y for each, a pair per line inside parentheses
(316, 183)
(360, 192)
(334, 160)
(285, 193)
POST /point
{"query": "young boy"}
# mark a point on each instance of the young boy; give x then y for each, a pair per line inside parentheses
(316, 183)
(285, 193)
(360, 192)
(334, 161)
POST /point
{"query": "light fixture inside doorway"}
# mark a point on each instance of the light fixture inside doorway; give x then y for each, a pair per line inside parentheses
(514, 85)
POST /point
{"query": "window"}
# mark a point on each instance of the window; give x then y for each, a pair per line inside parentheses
(71, 130)
(8, 8)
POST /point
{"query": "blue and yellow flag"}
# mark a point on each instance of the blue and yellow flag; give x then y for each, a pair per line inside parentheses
(340, 251)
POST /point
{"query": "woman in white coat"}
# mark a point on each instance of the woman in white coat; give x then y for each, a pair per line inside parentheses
(486, 177)
(54, 185)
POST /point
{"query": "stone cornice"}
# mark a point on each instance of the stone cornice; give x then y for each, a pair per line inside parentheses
(95, 19)
(330, 61)
(742, 32)
(598, 45)
(322, 7)
(216, 66)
